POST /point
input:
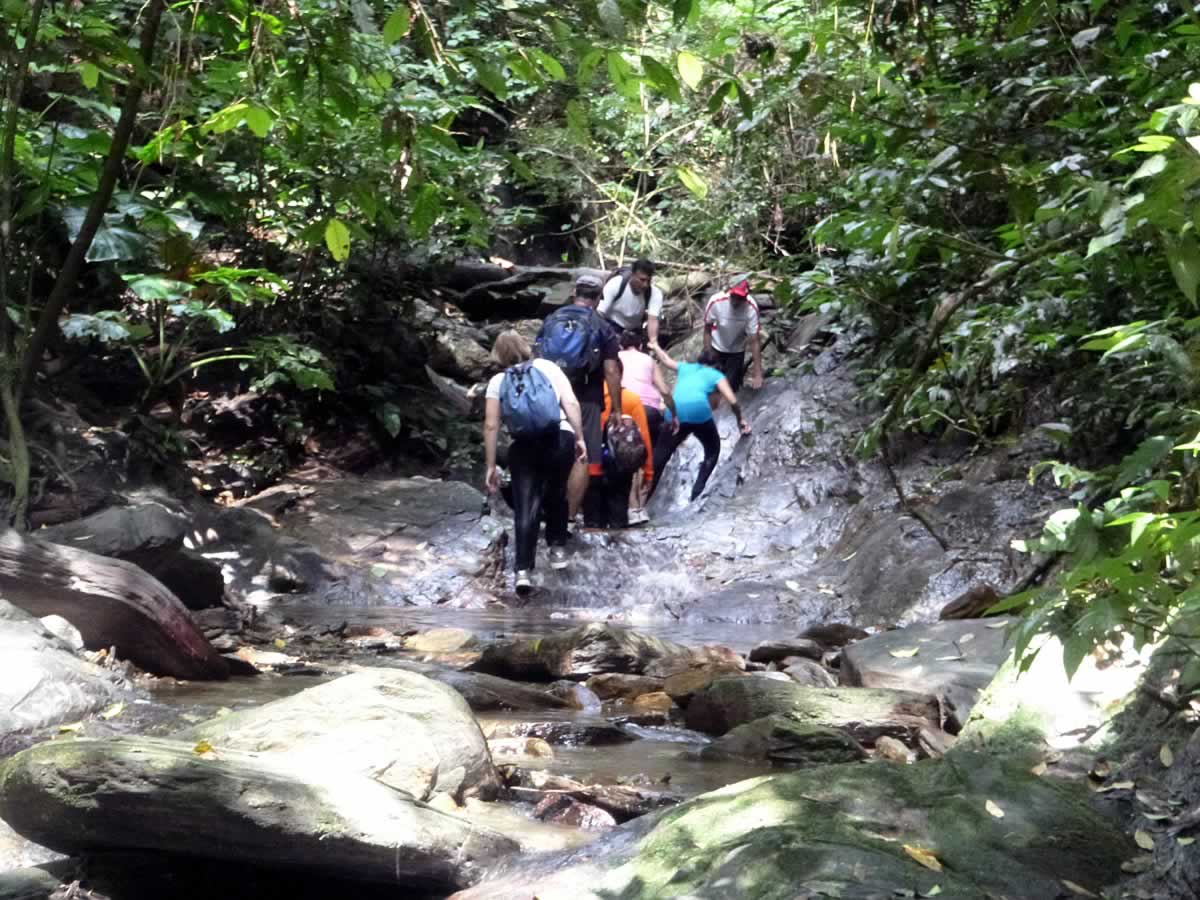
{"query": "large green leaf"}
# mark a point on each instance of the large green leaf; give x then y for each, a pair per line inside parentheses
(426, 207)
(662, 78)
(397, 25)
(337, 239)
(691, 68)
(1183, 255)
(692, 181)
(578, 122)
(552, 66)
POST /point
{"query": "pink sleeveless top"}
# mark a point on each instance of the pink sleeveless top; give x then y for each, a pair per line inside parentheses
(639, 377)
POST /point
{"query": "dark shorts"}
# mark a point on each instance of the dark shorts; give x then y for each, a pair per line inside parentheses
(591, 413)
(733, 365)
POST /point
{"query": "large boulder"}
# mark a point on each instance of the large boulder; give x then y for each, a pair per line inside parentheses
(113, 604)
(597, 648)
(858, 832)
(96, 795)
(863, 713)
(404, 729)
(954, 660)
(42, 681)
(150, 535)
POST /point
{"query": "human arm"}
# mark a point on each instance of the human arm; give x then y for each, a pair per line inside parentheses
(731, 399)
(491, 431)
(663, 357)
(608, 296)
(653, 313)
(753, 334)
(660, 383)
(570, 407)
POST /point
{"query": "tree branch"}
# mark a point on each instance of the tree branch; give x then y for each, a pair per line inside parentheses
(69, 273)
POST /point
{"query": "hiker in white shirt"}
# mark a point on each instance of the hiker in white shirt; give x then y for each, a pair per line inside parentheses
(730, 323)
(630, 296)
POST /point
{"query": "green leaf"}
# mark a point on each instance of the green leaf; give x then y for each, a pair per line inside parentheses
(491, 78)
(152, 287)
(337, 239)
(662, 78)
(397, 25)
(426, 207)
(1183, 255)
(578, 122)
(691, 68)
(90, 74)
(552, 66)
(685, 12)
(692, 181)
(259, 120)
(1102, 243)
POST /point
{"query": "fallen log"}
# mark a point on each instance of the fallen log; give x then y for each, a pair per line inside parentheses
(112, 603)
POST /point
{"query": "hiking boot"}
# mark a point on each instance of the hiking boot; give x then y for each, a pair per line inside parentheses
(558, 558)
(524, 582)
(638, 517)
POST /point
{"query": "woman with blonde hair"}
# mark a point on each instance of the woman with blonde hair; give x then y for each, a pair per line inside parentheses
(535, 402)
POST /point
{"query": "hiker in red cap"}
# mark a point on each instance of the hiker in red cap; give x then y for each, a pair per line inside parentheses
(730, 322)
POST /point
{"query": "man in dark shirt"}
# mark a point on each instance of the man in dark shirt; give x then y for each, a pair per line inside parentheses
(589, 386)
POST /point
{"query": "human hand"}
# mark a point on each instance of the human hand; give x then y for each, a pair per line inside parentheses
(492, 480)
(756, 380)
(580, 450)
(674, 426)
(745, 426)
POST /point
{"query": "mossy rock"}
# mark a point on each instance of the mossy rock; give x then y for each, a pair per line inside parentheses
(842, 831)
(785, 741)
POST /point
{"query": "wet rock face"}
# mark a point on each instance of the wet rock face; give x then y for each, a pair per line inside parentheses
(785, 741)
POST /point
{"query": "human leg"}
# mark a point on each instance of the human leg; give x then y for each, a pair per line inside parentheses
(577, 487)
(528, 484)
(562, 465)
(710, 439)
(663, 451)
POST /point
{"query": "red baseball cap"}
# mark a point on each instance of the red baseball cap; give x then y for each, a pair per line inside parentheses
(741, 287)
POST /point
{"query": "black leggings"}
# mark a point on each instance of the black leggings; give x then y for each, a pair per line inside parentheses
(539, 469)
(710, 439)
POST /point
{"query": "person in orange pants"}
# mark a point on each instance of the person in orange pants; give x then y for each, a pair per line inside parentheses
(607, 503)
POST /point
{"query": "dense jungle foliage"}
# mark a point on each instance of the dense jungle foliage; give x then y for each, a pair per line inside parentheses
(1000, 195)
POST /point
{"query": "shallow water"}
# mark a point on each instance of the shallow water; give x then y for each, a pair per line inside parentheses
(531, 621)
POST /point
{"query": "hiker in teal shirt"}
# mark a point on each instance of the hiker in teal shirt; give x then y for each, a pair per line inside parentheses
(692, 413)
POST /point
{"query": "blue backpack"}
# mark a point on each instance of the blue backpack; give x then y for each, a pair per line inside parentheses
(570, 338)
(528, 402)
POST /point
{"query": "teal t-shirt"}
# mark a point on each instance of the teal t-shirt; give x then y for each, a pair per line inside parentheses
(692, 387)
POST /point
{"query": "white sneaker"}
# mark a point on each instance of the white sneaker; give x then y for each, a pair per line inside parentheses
(638, 517)
(524, 582)
(559, 558)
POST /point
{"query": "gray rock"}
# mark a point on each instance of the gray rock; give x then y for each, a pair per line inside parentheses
(150, 535)
(620, 686)
(785, 741)
(44, 682)
(64, 631)
(863, 713)
(774, 651)
(954, 660)
(485, 693)
(807, 672)
(570, 732)
(404, 729)
(94, 795)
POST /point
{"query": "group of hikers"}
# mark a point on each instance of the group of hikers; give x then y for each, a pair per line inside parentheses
(592, 422)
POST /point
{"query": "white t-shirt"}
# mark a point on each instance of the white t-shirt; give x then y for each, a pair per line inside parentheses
(557, 379)
(627, 309)
(730, 325)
